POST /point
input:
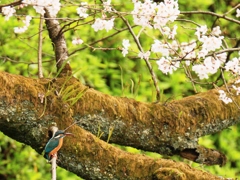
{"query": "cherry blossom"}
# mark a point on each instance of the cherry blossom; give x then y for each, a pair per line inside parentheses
(237, 89)
(233, 66)
(81, 11)
(77, 41)
(158, 46)
(173, 33)
(19, 30)
(26, 21)
(224, 97)
(163, 12)
(168, 32)
(216, 31)
(167, 65)
(222, 57)
(101, 24)
(201, 71)
(211, 43)
(238, 13)
(126, 45)
(237, 81)
(143, 12)
(107, 6)
(124, 52)
(174, 46)
(52, 6)
(166, 11)
(143, 55)
(210, 66)
(200, 31)
(8, 12)
(188, 50)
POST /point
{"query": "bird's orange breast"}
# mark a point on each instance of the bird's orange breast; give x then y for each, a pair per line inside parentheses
(56, 149)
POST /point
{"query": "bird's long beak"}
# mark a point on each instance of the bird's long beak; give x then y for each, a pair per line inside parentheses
(68, 134)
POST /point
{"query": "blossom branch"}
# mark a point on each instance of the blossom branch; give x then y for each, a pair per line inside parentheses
(16, 3)
(99, 40)
(213, 14)
(146, 59)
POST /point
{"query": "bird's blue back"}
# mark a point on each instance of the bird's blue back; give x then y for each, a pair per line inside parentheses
(51, 144)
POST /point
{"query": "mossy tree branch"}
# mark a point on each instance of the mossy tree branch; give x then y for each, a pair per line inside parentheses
(170, 128)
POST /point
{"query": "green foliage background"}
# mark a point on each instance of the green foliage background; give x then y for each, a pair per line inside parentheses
(109, 72)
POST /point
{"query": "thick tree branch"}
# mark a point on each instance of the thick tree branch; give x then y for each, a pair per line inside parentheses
(170, 128)
(85, 154)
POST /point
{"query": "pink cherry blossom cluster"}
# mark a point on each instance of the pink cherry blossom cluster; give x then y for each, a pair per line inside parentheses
(126, 45)
(26, 21)
(210, 42)
(167, 65)
(52, 6)
(82, 10)
(77, 41)
(165, 48)
(101, 24)
(144, 55)
(223, 97)
(8, 12)
(107, 6)
(238, 13)
(210, 65)
(233, 66)
(150, 13)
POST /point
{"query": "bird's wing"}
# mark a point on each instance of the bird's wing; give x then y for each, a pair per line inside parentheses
(52, 144)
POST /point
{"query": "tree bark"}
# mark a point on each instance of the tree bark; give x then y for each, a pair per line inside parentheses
(29, 106)
(59, 44)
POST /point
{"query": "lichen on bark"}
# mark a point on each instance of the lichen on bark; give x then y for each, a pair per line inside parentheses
(149, 126)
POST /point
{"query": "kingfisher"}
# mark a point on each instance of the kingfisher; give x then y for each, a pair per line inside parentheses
(55, 143)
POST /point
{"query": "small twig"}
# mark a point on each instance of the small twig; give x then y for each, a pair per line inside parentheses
(146, 60)
(71, 125)
(40, 71)
(234, 8)
(102, 48)
(99, 40)
(225, 83)
(189, 75)
(212, 14)
(188, 21)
